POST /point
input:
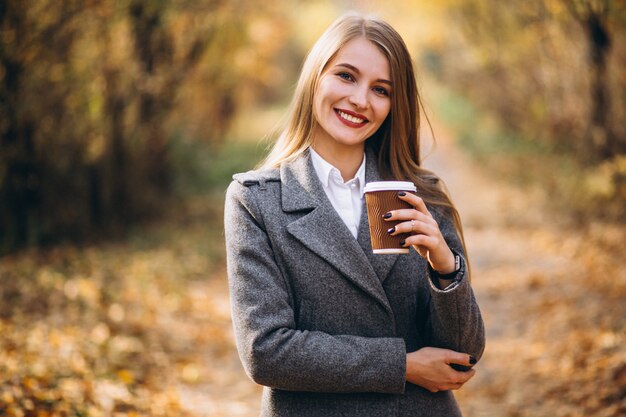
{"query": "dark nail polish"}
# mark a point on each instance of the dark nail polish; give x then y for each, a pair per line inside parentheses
(386, 215)
(460, 368)
(391, 230)
(402, 242)
(472, 360)
(401, 193)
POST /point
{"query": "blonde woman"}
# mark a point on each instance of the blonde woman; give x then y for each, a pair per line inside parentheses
(327, 327)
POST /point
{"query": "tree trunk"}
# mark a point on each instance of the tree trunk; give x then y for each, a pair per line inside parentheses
(117, 168)
(154, 51)
(599, 46)
(21, 183)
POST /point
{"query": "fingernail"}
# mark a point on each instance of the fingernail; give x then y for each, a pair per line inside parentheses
(402, 242)
(391, 230)
(401, 193)
(386, 215)
(472, 360)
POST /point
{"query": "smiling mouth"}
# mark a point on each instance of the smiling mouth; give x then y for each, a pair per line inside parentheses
(350, 118)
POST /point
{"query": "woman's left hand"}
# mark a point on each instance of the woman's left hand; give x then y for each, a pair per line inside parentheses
(425, 237)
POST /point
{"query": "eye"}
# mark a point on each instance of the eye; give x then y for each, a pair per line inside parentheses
(345, 76)
(381, 90)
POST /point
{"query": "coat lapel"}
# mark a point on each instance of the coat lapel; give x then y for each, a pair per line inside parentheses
(322, 230)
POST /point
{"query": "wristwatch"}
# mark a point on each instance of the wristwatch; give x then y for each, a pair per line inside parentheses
(458, 265)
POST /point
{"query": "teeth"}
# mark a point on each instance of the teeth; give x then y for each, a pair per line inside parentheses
(350, 118)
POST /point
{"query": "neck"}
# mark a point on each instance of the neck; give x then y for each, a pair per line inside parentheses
(346, 159)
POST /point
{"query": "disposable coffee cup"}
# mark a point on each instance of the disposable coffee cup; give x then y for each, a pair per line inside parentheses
(380, 198)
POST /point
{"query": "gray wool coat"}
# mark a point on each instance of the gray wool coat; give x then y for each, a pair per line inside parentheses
(320, 321)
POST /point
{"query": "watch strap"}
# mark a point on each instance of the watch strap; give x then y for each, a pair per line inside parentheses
(458, 264)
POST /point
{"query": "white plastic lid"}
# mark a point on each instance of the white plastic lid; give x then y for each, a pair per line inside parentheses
(389, 186)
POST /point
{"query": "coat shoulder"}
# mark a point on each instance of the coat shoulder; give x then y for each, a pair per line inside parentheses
(251, 192)
(257, 177)
(249, 187)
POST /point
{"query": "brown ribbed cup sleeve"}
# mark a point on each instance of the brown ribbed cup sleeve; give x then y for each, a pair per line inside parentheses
(378, 203)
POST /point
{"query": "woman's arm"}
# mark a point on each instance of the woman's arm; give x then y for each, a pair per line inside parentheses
(274, 353)
(454, 319)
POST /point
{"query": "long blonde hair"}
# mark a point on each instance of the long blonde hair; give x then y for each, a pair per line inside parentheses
(397, 141)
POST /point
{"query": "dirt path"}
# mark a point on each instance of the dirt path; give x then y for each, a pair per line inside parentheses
(553, 309)
(499, 224)
(551, 297)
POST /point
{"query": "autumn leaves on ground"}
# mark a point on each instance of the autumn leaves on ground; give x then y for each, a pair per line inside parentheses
(141, 327)
(112, 112)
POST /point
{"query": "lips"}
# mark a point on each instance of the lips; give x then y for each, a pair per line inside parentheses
(350, 118)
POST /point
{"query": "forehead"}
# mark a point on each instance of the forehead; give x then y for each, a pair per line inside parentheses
(365, 56)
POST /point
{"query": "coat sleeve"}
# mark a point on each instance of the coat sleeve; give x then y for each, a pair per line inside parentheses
(455, 320)
(273, 351)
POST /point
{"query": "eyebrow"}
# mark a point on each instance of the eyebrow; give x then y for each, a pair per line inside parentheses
(355, 69)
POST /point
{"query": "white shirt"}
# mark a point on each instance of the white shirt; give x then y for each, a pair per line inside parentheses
(346, 197)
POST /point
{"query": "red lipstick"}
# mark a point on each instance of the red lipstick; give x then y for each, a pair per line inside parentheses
(350, 118)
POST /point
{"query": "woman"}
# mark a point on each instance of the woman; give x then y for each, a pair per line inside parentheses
(329, 328)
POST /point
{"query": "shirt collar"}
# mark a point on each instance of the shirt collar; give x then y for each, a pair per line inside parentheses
(324, 170)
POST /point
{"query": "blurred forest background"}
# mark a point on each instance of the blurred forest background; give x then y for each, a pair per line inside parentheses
(122, 121)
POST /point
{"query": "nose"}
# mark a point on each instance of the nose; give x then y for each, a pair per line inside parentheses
(359, 97)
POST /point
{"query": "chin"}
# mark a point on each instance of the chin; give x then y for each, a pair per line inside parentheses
(352, 143)
(350, 140)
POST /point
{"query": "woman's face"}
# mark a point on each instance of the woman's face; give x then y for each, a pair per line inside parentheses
(353, 97)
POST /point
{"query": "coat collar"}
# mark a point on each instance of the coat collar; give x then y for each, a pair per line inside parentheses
(323, 232)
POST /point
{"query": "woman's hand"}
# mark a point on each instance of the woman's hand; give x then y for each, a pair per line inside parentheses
(430, 368)
(426, 237)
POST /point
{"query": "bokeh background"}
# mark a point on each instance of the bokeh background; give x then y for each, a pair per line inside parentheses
(122, 121)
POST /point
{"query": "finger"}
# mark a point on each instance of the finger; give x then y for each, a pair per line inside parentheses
(415, 201)
(455, 386)
(461, 358)
(451, 385)
(460, 378)
(405, 214)
(421, 240)
(465, 376)
(413, 226)
(460, 368)
(461, 362)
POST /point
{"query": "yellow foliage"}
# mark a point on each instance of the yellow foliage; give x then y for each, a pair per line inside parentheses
(126, 376)
(608, 180)
(190, 373)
